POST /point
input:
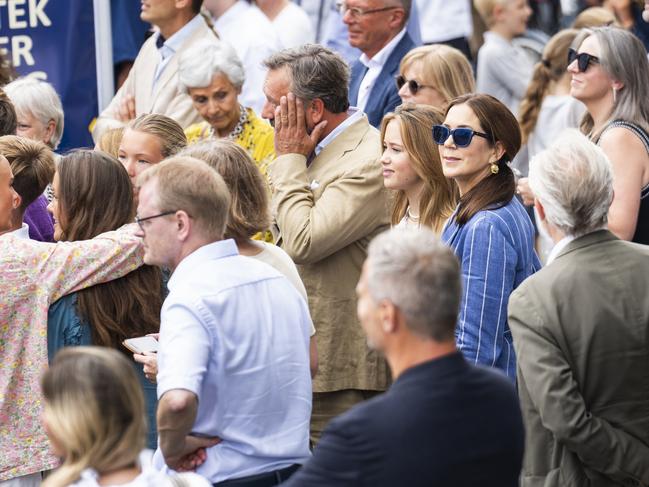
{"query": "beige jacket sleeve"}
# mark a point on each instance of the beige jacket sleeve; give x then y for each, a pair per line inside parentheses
(348, 209)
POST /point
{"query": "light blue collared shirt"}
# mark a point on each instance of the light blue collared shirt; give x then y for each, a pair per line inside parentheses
(354, 115)
(235, 332)
(172, 45)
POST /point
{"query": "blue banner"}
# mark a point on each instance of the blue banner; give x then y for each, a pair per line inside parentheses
(55, 40)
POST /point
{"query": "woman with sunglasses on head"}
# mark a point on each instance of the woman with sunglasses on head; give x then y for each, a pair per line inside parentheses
(610, 75)
(412, 169)
(489, 231)
(92, 195)
(434, 75)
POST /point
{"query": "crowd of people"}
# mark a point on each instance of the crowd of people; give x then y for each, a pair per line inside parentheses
(393, 257)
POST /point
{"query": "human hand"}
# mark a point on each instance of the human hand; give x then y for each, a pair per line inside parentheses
(126, 109)
(525, 192)
(150, 362)
(291, 135)
(193, 454)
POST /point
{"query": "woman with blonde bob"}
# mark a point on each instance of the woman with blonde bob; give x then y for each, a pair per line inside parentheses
(434, 75)
(412, 168)
(94, 418)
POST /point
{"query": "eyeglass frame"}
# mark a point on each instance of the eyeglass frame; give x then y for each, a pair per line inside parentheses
(400, 80)
(359, 12)
(139, 220)
(573, 56)
(451, 133)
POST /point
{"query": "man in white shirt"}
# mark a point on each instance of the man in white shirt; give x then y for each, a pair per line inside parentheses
(378, 29)
(444, 22)
(152, 84)
(253, 37)
(234, 385)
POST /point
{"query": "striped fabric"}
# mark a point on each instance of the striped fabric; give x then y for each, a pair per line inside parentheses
(496, 251)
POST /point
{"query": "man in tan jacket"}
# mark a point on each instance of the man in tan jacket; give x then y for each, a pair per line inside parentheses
(581, 332)
(152, 84)
(328, 202)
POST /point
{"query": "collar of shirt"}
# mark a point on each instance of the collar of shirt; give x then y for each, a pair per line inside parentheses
(215, 250)
(231, 15)
(354, 114)
(380, 58)
(494, 38)
(175, 42)
(556, 250)
(22, 232)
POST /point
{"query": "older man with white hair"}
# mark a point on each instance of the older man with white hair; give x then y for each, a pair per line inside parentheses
(580, 329)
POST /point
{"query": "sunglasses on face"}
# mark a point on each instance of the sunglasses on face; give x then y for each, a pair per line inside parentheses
(413, 86)
(583, 59)
(462, 136)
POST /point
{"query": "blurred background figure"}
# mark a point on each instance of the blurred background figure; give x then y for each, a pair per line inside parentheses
(594, 17)
(110, 140)
(292, 24)
(629, 16)
(444, 22)
(434, 75)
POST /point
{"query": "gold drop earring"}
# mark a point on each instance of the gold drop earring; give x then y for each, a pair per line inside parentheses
(494, 168)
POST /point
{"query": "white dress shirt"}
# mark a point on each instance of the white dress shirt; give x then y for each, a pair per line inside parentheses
(556, 250)
(173, 44)
(374, 67)
(235, 332)
(22, 232)
(441, 20)
(253, 37)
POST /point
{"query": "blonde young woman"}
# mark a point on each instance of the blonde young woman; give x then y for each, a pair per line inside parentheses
(412, 168)
(434, 75)
(94, 418)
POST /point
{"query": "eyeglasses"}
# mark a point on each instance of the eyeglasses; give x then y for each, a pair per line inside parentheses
(413, 85)
(139, 220)
(461, 136)
(359, 12)
(583, 59)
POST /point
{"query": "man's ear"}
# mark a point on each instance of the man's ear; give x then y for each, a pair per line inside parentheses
(388, 316)
(183, 225)
(49, 130)
(538, 206)
(316, 111)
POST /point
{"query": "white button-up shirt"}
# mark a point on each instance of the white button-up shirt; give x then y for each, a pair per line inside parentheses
(374, 67)
(173, 44)
(235, 332)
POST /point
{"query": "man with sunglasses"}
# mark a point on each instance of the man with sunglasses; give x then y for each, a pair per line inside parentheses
(378, 29)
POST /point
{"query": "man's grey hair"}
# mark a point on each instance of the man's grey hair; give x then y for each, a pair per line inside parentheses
(420, 275)
(316, 72)
(31, 96)
(573, 180)
(198, 65)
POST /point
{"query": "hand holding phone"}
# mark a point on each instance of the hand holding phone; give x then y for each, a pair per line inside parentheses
(141, 344)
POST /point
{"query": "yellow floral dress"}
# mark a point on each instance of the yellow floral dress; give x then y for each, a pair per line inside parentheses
(257, 137)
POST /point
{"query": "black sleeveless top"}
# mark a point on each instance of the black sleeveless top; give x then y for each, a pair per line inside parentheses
(641, 234)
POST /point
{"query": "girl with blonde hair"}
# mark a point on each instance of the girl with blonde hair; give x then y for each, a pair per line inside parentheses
(94, 418)
(412, 168)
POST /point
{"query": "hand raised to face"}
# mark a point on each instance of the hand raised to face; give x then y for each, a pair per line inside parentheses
(291, 132)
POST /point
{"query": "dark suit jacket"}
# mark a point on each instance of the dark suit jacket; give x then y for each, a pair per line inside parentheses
(581, 334)
(384, 96)
(442, 423)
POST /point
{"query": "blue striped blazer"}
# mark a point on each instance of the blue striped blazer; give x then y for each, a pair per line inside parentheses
(496, 251)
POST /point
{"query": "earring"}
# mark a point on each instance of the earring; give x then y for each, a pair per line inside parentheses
(614, 95)
(494, 168)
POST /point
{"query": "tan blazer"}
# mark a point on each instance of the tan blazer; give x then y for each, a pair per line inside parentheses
(326, 215)
(581, 335)
(166, 99)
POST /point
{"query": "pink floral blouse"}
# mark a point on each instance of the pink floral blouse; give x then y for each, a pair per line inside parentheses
(33, 275)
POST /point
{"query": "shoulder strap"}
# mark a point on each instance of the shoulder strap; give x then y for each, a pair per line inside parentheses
(636, 129)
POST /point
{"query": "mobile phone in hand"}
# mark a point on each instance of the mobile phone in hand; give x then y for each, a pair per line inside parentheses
(141, 344)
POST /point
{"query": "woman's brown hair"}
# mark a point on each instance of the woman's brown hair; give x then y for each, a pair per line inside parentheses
(499, 123)
(551, 68)
(439, 194)
(249, 212)
(95, 196)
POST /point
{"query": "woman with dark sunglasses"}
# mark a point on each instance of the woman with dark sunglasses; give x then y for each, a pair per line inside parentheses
(434, 75)
(610, 75)
(489, 231)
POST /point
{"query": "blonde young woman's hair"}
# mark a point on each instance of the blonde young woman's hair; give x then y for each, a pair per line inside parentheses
(249, 208)
(439, 194)
(443, 67)
(553, 65)
(623, 58)
(110, 140)
(170, 134)
(594, 17)
(94, 409)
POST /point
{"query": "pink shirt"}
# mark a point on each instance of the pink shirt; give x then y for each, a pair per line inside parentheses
(32, 276)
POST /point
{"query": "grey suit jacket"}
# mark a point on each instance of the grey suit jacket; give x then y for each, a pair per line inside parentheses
(581, 334)
(167, 98)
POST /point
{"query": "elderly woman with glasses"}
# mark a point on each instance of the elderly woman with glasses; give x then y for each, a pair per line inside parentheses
(213, 76)
(489, 231)
(434, 75)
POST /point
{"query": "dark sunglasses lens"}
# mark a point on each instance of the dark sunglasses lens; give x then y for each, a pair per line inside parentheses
(413, 86)
(572, 55)
(440, 134)
(583, 60)
(462, 137)
(400, 81)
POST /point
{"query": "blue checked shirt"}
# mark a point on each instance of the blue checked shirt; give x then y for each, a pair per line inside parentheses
(496, 251)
